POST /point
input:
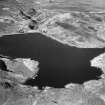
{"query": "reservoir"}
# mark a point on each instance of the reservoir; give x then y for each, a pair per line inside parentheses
(59, 64)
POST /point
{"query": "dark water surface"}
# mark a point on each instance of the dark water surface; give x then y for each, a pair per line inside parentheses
(59, 64)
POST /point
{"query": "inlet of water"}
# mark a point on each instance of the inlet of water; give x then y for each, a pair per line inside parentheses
(59, 64)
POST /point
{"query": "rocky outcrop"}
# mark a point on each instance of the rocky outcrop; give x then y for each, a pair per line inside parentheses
(82, 29)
